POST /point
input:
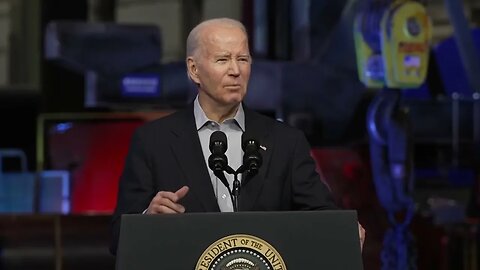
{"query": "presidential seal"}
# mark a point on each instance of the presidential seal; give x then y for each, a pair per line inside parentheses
(240, 252)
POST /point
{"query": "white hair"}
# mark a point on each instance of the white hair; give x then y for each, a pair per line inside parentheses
(194, 35)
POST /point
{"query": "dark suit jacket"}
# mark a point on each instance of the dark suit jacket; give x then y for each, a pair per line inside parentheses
(166, 154)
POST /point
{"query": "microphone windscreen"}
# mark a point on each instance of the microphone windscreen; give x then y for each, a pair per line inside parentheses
(219, 139)
(248, 139)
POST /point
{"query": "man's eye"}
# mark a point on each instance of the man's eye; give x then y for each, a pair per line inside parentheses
(221, 60)
(243, 60)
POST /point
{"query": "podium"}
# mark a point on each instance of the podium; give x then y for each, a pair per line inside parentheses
(300, 240)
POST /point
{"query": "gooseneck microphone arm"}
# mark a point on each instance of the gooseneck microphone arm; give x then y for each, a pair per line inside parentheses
(236, 191)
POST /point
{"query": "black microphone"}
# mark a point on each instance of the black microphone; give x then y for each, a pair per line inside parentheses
(218, 161)
(252, 159)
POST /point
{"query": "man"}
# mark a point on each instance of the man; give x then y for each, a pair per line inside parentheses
(166, 168)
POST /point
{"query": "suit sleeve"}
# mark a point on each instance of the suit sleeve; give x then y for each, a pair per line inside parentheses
(309, 191)
(136, 187)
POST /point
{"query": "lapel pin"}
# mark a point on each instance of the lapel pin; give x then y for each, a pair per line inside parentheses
(263, 148)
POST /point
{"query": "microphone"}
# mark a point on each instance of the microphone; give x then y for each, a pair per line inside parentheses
(252, 159)
(218, 161)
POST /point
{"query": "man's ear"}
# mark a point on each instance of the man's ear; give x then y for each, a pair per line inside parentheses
(192, 70)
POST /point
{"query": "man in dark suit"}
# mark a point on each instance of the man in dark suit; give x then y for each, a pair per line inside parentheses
(166, 168)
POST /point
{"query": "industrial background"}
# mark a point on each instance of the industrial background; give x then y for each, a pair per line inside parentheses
(397, 155)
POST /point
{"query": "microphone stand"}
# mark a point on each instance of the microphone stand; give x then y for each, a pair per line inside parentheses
(235, 192)
(236, 188)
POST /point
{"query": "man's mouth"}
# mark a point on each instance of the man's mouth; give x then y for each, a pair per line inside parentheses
(233, 86)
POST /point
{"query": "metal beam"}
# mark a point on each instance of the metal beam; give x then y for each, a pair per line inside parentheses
(465, 44)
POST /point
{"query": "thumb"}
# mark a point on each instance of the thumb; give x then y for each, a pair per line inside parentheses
(181, 192)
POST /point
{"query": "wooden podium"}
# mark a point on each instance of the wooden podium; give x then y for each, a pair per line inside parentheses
(244, 240)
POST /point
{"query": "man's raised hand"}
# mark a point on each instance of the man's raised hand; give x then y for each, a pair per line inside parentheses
(166, 202)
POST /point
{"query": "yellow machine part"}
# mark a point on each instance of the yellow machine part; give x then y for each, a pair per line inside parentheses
(369, 64)
(406, 36)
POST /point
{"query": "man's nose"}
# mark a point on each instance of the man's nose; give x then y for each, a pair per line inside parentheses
(234, 69)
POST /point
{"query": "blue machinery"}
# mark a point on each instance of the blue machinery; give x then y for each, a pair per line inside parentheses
(392, 172)
(392, 45)
(392, 40)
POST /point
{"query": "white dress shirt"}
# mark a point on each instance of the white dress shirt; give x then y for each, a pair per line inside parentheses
(233, 129)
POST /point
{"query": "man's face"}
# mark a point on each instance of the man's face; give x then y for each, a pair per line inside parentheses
(221, 65)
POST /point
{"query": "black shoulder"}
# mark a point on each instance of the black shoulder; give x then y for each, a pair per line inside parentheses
(274, 126)
(164, 124)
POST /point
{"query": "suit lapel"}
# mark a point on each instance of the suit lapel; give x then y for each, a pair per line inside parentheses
(188, 151)
(257, 127)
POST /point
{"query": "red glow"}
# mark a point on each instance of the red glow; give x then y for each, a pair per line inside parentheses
(95, 153)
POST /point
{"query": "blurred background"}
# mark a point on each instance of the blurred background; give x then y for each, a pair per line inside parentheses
(77, 77)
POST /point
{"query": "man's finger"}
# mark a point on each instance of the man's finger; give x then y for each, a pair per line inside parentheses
(162, 209)
(159, 209)
(168, 195)
(170, 204)
(163, 205)
(361, 233)
(181, 192)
